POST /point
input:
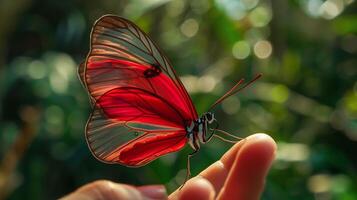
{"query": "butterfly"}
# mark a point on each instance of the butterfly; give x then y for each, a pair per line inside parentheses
(141, 109)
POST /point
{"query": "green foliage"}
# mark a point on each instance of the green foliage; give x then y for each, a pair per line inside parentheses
(306, 100)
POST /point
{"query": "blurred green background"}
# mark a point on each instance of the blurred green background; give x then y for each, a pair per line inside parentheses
(306, 100)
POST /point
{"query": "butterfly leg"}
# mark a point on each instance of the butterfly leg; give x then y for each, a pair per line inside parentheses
(188, 171)
(213, 132)
(222, 138)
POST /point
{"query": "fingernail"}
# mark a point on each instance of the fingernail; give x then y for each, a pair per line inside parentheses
(156, 192)
(262, 137)
(258, 136)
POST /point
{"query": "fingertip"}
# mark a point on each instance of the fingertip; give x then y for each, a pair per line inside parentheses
(263, 137)
(262, 144)
(197, 188)
(258, 139)
(247, 176)
(256, 156)
(218, 171)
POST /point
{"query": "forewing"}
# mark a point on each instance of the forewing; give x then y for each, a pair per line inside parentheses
(122, 55)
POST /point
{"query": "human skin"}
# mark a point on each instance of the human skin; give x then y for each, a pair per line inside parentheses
(239, 174)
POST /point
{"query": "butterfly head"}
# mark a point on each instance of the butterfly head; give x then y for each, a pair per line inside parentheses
(209, 117)
(204, 123)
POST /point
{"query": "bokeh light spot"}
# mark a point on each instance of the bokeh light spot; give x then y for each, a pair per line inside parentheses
(63, 72)
(319, 183)
(189, 28)
(263, 49)
(351, 101)
(311, 7)
(260, 16)
(37, 70)
(234, 9)
(175, 8)
(206, 83)
(331, 8)
(293, 152)
(190, 83)
(241, 50)
(249, 4)
(58, 84)
(280, 93)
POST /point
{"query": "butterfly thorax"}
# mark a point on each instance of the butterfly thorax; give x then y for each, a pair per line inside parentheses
(198, 130)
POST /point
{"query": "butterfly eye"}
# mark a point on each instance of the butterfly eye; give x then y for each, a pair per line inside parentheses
(209, 117)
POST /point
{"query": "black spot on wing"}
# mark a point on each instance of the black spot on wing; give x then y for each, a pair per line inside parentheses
(153, 71)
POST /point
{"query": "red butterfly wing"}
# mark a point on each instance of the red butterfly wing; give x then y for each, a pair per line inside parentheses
(125, 127)
(141, 108)
(122, 55)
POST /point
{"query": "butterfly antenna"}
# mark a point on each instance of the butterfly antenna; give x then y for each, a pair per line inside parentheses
(234, 90)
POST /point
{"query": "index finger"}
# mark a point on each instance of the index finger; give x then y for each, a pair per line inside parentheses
(246, 178)
(218, 171)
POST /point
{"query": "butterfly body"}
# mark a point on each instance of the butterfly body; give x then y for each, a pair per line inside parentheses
(198, 131)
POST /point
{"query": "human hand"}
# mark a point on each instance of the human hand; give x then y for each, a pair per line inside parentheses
(239, 174)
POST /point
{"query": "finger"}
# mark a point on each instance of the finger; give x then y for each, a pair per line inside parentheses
(247, 176)
(195, 188)
(217, 173)
(102, 190)
(156, 192)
